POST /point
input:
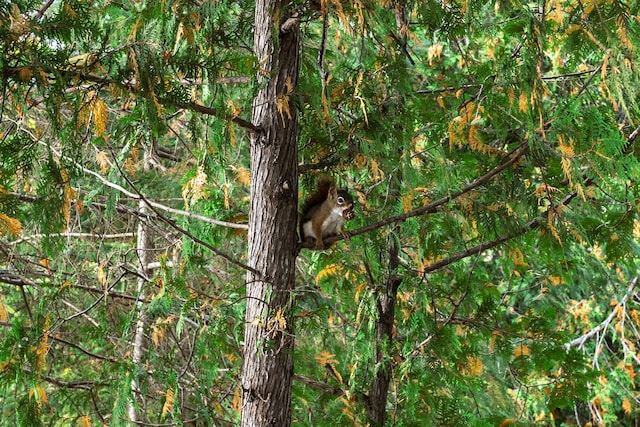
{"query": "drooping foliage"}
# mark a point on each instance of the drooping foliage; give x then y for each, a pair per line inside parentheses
(491, 148)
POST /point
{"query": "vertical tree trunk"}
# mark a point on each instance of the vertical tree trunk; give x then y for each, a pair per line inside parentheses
(267, 369)
(386, 306)
(386, 299)
(144, 256)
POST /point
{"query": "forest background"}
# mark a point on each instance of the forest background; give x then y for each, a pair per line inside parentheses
(153, 156)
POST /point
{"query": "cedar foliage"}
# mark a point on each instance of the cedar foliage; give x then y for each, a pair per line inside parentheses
(518, 297)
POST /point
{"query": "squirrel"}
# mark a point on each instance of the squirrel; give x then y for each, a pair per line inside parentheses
(324, 212)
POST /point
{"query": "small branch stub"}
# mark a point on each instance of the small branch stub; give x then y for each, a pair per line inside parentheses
(290, 24)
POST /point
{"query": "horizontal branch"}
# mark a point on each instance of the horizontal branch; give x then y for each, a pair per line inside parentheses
(446, 89)
(130, 86)
(327, 388)
(570, 75)
(95, 236)
(136, 196)
(16, 280)
(70, 344)
(193, 106)
(82, 385)
(433, 207)
(497, 241)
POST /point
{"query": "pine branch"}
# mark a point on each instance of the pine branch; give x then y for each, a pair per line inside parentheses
(130, 86)
(433, 207)
(499, 240)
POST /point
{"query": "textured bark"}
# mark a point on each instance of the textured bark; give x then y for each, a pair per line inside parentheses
(267, 370)
(386, 307)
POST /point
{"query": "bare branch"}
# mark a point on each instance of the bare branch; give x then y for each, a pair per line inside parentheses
(193, 106)
(327, 388)
(42, 10)
(581, 340)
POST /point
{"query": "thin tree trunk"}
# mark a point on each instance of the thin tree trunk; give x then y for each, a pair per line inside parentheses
(144, 255)
(386, 306)
(386, 299)
(267, 369)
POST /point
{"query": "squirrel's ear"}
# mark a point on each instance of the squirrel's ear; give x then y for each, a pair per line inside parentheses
(333, 192)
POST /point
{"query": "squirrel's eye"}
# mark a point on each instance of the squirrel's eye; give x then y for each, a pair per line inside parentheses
(340, 200)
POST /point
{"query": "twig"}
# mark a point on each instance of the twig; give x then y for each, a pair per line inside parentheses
(96, 302)
(140, 196)
(581, 340)
(77, 309)
(185, 232)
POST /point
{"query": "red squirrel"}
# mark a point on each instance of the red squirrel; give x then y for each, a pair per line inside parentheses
(324, 212)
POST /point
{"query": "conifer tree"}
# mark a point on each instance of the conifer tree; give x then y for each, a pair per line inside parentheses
(152, 160)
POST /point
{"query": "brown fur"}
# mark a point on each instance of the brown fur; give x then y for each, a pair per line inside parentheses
(319, 208)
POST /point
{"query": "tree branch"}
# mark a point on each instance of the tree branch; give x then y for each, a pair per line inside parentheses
(581, 340)
(514, 157)
(193, 106)
(151, 203)
(185, 232)
(129, 86)
(15, 280)
(499, 240)
(70, 344)
(95, 236)
(327, 388)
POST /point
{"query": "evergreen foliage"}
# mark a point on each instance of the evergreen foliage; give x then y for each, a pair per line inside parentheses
(493, 144)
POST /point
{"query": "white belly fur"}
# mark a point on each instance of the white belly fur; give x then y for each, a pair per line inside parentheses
(332, 225)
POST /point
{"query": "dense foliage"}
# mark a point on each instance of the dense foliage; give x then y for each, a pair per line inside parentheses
(491, 148)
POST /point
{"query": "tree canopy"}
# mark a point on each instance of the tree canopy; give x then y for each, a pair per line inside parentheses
(491, 273)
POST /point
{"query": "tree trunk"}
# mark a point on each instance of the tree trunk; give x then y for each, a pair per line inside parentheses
(386, 300)
(144, 247)
(386, 306)
(267, 369)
